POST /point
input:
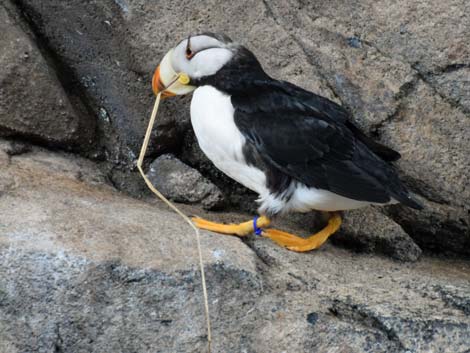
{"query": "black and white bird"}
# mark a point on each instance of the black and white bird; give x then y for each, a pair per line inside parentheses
(297, 150)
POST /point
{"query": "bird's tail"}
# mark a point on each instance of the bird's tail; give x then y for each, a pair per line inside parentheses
(408, 200)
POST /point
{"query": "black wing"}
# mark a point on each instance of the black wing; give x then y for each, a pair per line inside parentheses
(310, 139)
(335, 112)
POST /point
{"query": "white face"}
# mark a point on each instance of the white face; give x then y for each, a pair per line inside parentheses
(204, 56)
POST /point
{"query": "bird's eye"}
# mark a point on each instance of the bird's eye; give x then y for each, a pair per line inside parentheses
(189, 53)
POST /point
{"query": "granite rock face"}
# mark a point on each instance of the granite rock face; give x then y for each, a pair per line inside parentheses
(401, 69)
(84, 268)
(369, 230)
(181, 183)
(33, 102)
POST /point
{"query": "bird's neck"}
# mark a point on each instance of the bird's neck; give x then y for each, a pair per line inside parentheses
(241, 75)
(237, 82)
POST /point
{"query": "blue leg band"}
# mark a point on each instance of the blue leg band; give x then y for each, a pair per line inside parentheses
(257, 230)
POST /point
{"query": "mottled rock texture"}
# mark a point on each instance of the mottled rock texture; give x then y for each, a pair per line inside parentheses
(371, 231)
(181, 183)
(32, 101)
(401, 69)
(84, 268)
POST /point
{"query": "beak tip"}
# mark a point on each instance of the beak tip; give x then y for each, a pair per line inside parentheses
(156, 84)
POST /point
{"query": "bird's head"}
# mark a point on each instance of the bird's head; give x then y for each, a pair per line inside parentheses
(193, 59)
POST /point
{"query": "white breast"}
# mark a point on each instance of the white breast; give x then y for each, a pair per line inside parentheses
(219, 138)
(212, 117)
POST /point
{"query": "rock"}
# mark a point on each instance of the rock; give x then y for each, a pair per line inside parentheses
(382, 316)
(440, 228)
(404, 81)
(401, 69)
(371, 231)
(438, 172)
(100, 268)
(32, 100)
(93, 42)
(113, 49)
(14, 148)
(84, 268)
(128, 182)
(181, 183)
(366, 81)
(454, 85)
(429, 35)
(427, 120)
(454, 297)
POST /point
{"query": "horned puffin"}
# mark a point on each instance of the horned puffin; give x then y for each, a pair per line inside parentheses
(297, 150)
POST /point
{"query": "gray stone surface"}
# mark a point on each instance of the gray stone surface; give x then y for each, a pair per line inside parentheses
(454, 84)
(401, 69)
(93, 40)
(439, 172)
(369, 230)
(32, 101)
(181, 183)
(84, 268)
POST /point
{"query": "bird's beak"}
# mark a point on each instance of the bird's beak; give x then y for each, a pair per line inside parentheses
(169, 82)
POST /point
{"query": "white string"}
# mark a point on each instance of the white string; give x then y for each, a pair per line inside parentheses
(174, 208)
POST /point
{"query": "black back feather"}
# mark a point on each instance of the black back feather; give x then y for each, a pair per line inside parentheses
(294, 134)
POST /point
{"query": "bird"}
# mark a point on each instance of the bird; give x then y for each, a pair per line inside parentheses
(299, 151)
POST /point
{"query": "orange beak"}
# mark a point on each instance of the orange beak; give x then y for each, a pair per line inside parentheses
(158, 86)
(167, 82)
